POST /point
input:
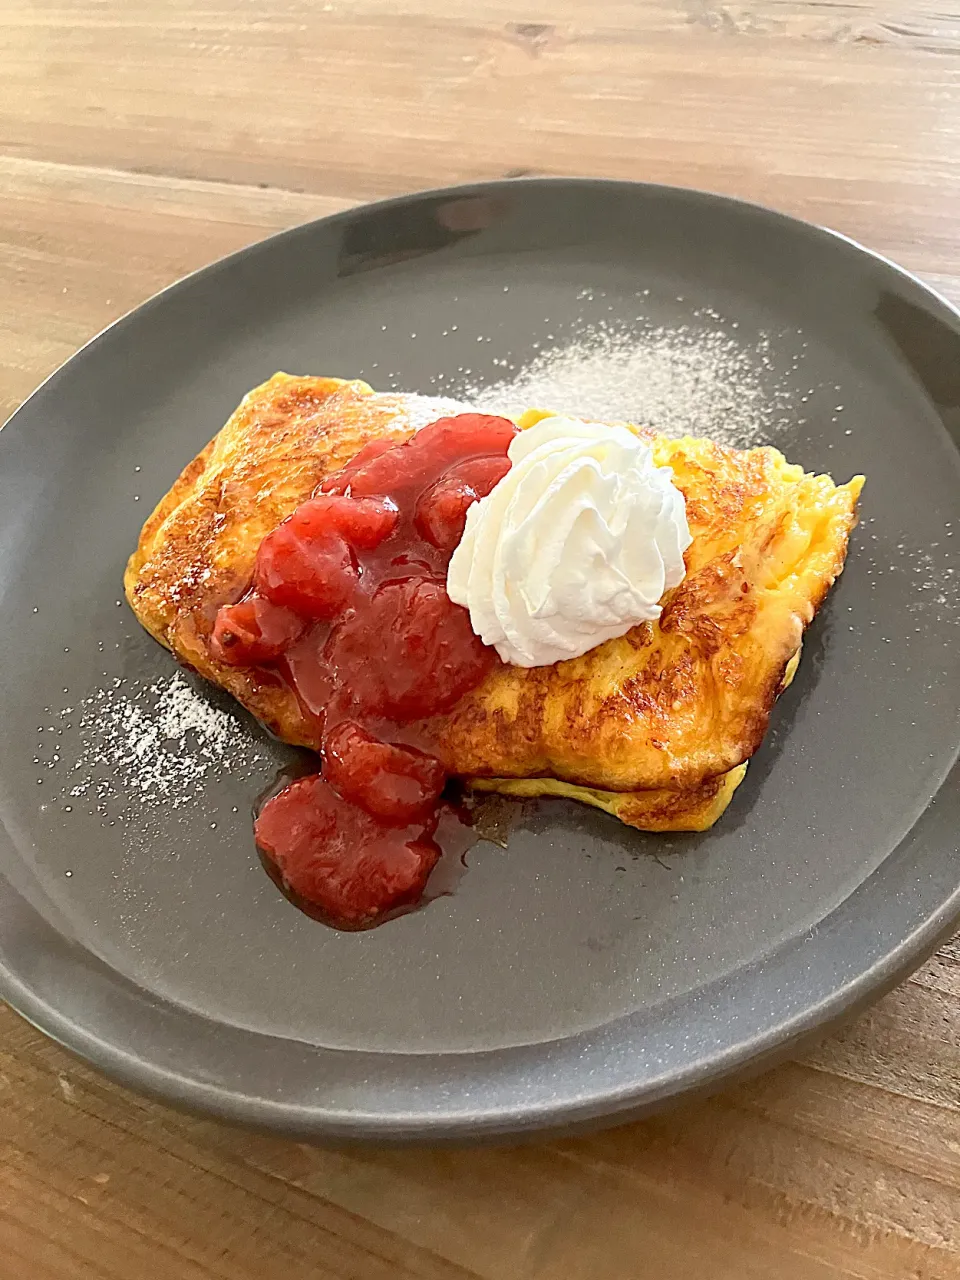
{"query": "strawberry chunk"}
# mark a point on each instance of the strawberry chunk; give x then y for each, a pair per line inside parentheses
(313, 574)
(339, 859)
(255, 630)
(411, 653)
(396, 784)
(442, 510)
(361, 522)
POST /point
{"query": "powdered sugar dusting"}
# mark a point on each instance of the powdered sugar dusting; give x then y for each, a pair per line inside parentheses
(931, 569)
(422, 410)
(697, 379)
(149, 747)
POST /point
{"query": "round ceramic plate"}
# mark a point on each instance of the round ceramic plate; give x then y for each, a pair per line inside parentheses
(580, 971)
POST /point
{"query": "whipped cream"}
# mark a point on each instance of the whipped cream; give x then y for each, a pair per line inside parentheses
(575, 545)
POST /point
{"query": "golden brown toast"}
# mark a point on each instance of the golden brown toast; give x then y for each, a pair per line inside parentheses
(671, 706)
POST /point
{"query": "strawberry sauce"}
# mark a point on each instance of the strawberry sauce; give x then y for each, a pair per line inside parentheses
(348, 605)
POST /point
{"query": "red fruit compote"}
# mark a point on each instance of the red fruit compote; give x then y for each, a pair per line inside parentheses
(348, 605)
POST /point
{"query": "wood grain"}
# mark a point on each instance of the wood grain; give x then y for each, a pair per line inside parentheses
(139, 140)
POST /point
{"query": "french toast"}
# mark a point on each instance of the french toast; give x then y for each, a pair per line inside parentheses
(654, 725)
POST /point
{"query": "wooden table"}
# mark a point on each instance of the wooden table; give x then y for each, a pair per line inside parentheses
(142, 138)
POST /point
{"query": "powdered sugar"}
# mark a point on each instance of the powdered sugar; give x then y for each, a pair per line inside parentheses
(697, 379)
(932, 570)
(422, 410)
(147, 746)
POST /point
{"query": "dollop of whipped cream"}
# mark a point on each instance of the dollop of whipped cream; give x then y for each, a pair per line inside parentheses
(575, 545)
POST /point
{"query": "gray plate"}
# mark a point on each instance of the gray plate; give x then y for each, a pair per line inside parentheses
(585, 971)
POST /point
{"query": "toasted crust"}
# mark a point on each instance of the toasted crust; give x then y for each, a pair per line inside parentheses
(696, 809)
(196, 551)
(669, 706)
